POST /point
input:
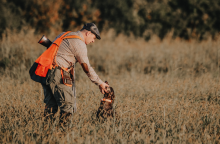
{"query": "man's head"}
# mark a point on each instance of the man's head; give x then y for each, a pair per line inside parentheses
(90, 33)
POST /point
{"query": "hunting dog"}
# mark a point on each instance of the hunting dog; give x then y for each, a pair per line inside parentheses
(106, 106)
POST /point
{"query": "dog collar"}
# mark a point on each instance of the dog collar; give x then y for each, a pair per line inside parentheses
(106, 100)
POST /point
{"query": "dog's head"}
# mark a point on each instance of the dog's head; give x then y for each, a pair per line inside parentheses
(110, 95)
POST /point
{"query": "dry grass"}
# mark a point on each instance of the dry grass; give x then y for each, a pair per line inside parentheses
(166, 92)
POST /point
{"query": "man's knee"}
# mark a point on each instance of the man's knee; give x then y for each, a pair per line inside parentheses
(66, 107)
(64, 98)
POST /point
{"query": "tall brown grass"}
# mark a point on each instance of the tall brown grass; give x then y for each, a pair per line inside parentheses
(166, 92)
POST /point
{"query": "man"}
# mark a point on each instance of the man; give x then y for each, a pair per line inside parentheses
(71, 51)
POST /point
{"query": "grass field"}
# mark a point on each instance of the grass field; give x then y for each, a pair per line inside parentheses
(166, 92)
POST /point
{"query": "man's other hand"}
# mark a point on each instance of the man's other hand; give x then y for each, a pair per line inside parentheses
(103, 88)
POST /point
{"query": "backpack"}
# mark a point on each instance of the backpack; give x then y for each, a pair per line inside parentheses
(43, 68)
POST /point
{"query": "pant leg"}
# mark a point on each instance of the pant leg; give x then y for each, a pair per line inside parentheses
(51, 104)
(63, 94)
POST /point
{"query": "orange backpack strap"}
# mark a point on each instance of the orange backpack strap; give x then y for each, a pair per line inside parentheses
(72, 36)
(59, 39)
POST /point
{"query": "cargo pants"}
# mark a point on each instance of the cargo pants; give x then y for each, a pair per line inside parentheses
(56, 94)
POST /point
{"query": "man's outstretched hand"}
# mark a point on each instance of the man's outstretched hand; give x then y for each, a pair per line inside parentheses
(103, 88)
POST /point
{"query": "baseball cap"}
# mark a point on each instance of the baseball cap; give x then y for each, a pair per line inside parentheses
(93, 28)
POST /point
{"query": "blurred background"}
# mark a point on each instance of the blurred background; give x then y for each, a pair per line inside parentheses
(186, 19)
(139, 22)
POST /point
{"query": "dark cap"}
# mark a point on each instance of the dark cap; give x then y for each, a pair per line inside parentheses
(93, 28)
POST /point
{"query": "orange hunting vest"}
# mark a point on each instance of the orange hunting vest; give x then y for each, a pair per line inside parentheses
(45, 61)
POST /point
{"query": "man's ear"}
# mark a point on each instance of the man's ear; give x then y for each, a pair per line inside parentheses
(88, 33)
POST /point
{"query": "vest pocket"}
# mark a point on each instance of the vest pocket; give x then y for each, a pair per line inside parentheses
(41, 70)
(36, 77)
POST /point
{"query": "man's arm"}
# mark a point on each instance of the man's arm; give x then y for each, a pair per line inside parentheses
(103, 86)
(80, 52)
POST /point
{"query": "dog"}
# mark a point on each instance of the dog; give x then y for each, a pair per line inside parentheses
(106, 106)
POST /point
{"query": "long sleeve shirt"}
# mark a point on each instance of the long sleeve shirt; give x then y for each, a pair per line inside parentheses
(72, 51)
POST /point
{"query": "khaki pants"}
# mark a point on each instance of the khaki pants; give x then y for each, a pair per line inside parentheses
(57, 94)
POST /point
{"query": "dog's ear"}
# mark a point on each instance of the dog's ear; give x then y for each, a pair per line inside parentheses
(112, 93)
(106, 82)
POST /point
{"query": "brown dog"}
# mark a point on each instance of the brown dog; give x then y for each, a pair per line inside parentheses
(106, 106)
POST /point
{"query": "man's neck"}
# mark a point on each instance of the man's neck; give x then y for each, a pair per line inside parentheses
(84, 35)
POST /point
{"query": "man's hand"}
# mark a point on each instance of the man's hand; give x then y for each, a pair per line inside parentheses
(103, 88)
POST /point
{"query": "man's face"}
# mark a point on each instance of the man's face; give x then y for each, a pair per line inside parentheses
(90, 38)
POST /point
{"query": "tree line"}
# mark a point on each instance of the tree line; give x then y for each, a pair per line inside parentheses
(184, 18)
